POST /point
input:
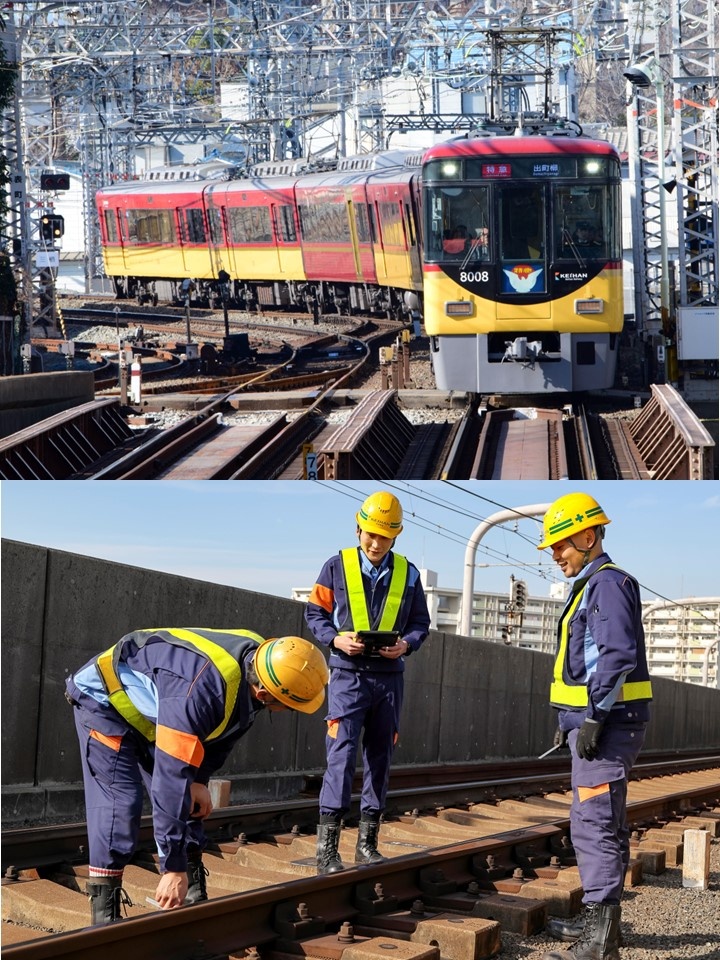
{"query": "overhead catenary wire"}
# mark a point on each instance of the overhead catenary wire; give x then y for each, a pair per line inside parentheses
(423, 493)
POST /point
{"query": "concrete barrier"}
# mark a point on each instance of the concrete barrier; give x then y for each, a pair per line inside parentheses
(28, 398)
(466, 700)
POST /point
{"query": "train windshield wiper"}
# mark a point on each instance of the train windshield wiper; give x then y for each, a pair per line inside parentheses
(569, 242)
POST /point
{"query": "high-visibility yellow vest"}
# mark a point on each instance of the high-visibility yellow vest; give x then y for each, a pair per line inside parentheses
(223, 648)
(357, 602)
(563, 693)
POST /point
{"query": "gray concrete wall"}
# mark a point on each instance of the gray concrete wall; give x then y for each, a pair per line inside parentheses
(465, 700)
(31, 397)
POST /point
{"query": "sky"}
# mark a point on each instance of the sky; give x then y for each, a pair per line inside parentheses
(271, 536)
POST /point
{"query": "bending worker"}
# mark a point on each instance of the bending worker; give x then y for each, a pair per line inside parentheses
(363, 588)
(164, 708)
(601, 690)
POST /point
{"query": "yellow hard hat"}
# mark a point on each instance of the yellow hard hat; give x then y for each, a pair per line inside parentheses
(294, 671)
(381, 513)
(571, 514)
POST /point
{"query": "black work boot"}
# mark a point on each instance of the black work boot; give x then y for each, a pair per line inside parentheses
(106, 896)
(366, 850)
(570, 930)
(328, 858)
(196, 874)
(599, 937)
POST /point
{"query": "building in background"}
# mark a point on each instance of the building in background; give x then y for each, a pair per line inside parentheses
(681, 635)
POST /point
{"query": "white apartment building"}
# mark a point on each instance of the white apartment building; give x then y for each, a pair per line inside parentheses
(681, 635)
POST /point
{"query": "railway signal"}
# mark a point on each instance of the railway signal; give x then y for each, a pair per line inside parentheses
(54, 181)
(518, 594)
(52, 227)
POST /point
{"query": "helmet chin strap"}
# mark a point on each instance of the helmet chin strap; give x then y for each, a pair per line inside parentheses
(585, 553)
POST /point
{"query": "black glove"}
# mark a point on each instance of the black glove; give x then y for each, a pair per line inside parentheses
(587, 744)
(560, 738)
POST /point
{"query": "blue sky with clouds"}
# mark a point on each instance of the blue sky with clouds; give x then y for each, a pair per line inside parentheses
(273, 536)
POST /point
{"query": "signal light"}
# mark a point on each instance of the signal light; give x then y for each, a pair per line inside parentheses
(52, 226)
(518, 594)
(54, 181)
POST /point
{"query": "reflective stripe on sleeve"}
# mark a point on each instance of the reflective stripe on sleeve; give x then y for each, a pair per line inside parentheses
(183, 746)
(322, 596)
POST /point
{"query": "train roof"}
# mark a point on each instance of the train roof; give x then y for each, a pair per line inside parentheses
(187, 178)
(510, 146)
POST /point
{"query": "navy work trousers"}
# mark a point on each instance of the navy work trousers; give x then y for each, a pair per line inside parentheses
(360, 702)
(114, 772)
(598, 820)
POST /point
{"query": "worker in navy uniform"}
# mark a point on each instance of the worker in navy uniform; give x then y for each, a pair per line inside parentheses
(362, 588)
(164, 708)
(602, 692)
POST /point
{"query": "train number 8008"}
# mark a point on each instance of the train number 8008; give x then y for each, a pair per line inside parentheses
(474, 276)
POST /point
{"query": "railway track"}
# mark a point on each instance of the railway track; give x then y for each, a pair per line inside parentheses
(375, 439)
(465, 863)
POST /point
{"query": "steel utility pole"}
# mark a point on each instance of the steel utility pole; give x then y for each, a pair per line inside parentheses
(502, 516)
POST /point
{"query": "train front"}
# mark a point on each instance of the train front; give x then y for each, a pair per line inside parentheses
(522, 263)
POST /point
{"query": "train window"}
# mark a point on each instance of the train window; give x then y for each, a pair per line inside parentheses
(409, 227)
(249, 224)
(522, 223)
(373, 225)
(111, 228)
(216, 225)
(585, 225)
(195, 226)
(150, 226)
(391, 228)
(457, 223)
(285, 223)
(323, 222)
(362, 223)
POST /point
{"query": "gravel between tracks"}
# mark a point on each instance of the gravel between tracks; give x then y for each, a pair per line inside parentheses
(661, 920)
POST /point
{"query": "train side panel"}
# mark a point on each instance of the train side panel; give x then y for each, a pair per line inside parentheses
(397, 244)
(335, 238)
(254, 230)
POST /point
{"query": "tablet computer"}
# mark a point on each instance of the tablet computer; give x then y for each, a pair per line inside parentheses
(375, 639)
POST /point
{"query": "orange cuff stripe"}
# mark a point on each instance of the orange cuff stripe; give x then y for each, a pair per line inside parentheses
(587, 793)
(322, 596)
(112, 742)
(182, 746)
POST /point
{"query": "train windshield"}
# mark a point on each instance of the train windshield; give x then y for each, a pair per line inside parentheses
(584, 225)
(522, 223)
(457, 224)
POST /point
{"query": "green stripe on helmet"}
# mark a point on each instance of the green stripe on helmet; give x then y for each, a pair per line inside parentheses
(275, 680)
(564, 525)
(269, 665)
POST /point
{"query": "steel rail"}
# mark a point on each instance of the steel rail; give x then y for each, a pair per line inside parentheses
(312, 907)
(426, 787)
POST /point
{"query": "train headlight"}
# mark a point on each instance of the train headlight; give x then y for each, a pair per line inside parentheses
(589, 306)
(593, 166)
(458, 308)
(450, 169)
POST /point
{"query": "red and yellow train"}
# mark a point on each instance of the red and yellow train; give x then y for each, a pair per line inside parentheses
(341, 240)
(507, 246)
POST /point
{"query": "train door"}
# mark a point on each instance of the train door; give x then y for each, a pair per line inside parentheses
(213, 205)
(523, 260)
(354, 237)
(215, 247)
(412, 228)
(287, 242)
